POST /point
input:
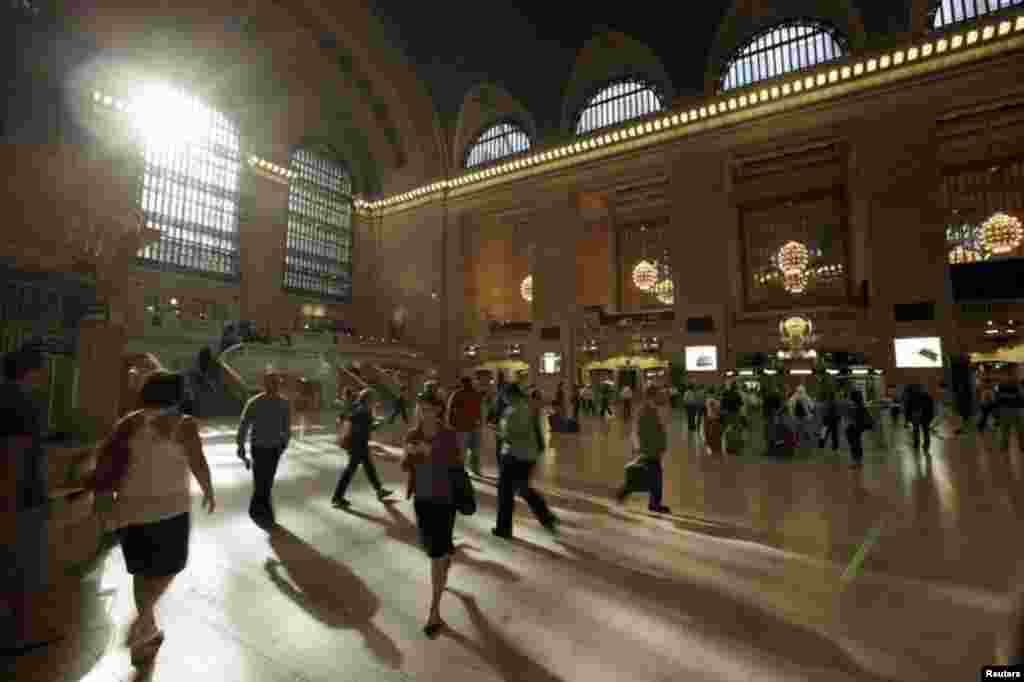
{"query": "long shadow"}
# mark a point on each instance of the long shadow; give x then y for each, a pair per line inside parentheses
(329, 591)
(724, 615)
(512, 664)
(403, 530)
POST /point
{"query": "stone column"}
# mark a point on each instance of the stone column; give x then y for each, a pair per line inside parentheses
(900, 244)
(559, 225)
(705, 246)
(100, 347)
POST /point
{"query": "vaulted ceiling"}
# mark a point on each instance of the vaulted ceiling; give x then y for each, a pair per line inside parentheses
(530, 47)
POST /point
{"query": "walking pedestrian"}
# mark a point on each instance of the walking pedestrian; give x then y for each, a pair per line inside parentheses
(1011, 413)
(576, 400)
(650, 441)
(988, 404)
(522, 443)
(713, 426)
(401, 405)
(361, 423)
(860, 421)
(920, 413)
(268, 416)
(149, 462)
(465, 416)
(431, 451)
(24, 502)
(627, 402)
(830, 418)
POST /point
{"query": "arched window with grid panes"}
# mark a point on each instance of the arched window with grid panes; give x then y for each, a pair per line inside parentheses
(190, 182)
(619, 101)
(318, 249)
(781, 49)
(497, 142)
(945, 13)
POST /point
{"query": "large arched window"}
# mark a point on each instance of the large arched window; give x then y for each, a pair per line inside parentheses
(318, 256)
(496, 142)
(190, 182)
(620, 101)
(949, 12)
(781, 49)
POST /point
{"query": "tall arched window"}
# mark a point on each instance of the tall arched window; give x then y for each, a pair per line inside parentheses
(781, 49)
(949, 12)
(318, 257)
(496, 142)
(620, 101)
(190, 182)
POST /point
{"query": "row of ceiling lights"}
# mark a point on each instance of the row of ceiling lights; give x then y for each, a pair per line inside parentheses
(755, 96)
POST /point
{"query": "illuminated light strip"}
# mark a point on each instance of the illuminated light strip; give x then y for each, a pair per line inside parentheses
(763, 94)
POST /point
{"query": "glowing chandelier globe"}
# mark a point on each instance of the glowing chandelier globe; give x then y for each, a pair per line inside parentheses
(645, 275)
(795, 283)
(793, 258)
(526, 289)
(665, 291)
(964, 254)
(1002, 233)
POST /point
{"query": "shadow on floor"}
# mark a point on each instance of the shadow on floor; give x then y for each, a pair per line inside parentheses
(329, 591)
(511, 663)
(400, 528)
(722, 614)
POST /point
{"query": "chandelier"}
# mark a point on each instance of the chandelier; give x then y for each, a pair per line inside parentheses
(795, 283)
(1001, 233)
(793, 258)
(645, 275)
(665, 291)
(963, 254)
(526, 288)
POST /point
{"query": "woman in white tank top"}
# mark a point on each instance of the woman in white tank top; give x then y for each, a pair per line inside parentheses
(147, 465)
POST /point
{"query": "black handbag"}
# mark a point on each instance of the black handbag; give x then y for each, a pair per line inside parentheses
(463, 495)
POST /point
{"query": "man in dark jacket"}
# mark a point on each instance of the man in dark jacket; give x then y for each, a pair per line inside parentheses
(362, 422)
(1010, 404)
(24, 503)
(465, 416)
(921, 413)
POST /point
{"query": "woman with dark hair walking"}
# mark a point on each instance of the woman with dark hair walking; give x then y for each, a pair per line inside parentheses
(147, 466)
(431, 452)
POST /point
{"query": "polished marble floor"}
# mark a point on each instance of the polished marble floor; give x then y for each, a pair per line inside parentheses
(766, 570)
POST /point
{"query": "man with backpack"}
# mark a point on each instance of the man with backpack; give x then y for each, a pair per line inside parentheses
(522, 444)
(830, 418)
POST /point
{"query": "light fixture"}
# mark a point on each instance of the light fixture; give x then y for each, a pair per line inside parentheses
(1002, 233)
(526, 288)
(792, 258)
(859, 372)
(832, 372)
(645, 275)
(795, 283)
(800, 372)
(665, 290)
(964, 254)
(746, 372)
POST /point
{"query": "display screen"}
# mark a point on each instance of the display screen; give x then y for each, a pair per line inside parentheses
(551, 363)
(701, 358)
(925, 351)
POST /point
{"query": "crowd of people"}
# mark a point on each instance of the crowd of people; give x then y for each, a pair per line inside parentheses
(145, 467)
